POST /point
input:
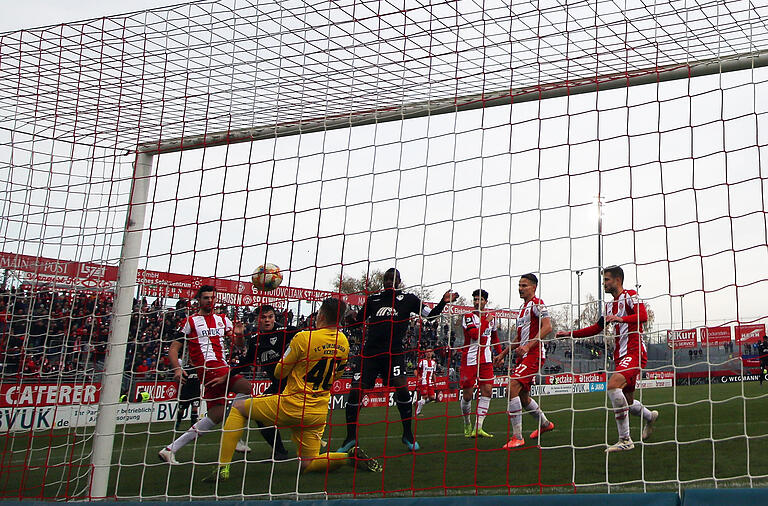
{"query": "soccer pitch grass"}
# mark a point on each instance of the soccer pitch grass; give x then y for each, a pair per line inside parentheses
(680, 449)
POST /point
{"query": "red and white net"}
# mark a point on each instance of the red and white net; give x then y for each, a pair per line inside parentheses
(465, 144)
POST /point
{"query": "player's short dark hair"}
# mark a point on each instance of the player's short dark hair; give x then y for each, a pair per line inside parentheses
(615, 271)
(392, 278)
(482, 293)
(333, 310)
(530, 277)
(265, 308)
(204, 288)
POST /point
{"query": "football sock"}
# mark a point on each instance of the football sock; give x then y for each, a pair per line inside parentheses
(233, 429)
(535, 411)
(403, 400)
(326, 462)
(515, 410)
(482, 410)
(198, 429)
(638, 409)
(353, 408)
(466, 409)
(620, 409)
(272, 436)
(180, 414)
(420, 405)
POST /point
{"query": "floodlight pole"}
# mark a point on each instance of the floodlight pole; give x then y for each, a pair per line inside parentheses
(599, 256)
(578, 298)
(114, 366)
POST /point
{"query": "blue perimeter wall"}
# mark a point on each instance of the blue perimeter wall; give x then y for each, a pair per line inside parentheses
(696, 497)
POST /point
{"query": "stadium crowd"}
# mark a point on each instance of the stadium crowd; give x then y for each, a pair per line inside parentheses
(47, 333)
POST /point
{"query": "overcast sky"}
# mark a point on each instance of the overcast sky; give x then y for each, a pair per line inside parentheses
(37, 13)
(462, 200)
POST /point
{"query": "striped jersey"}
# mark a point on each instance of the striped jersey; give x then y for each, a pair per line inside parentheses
(628, 338)
(204, 335)
(529, 323)
(479, 336)
(627, 333)
(426, 370)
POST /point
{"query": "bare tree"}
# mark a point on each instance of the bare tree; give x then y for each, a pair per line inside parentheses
(366, 282)
(590, 314)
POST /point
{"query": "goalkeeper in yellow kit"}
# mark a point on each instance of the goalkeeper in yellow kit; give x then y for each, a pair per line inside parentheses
(311, 363)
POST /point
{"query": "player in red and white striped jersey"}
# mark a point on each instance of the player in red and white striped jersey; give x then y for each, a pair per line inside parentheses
(627, 314)
(425, 378)
(533, 323)
(480, 337)
(203, 333)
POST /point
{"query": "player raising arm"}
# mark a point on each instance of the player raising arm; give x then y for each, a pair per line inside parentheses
(477, 363)
(265, 347)
(388, 314)
(532, 323)
(627, 314)
(311, 363)
(204, 332)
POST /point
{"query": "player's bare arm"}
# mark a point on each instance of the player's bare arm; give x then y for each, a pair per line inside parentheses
(173, 355)
(219, 380)
(238, 334)
(546, 328)
(450, 296)
(498, 360)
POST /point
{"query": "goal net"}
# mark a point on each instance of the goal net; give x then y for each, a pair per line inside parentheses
(465, 144)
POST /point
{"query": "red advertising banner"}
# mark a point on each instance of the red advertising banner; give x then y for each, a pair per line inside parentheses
(746, 334)
(715, 336)
(681, 339)
(162, 391)
(48, 394)
(505, 314)
(86, 275)
(50, 270)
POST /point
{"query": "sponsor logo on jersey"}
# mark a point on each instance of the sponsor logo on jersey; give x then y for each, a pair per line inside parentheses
(385, 311)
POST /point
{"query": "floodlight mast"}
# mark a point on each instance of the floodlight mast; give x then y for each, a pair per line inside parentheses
(466, 103)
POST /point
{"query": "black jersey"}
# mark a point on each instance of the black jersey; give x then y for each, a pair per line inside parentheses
(266, 348)
(388, 313)
(763, 351)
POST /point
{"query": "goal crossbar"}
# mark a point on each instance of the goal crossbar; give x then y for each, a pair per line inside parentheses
(449, 105)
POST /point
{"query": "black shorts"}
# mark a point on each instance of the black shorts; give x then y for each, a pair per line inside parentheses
(190, 391)
(388, 366)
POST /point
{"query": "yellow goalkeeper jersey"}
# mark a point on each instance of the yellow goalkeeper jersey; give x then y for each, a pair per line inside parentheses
(312, 361)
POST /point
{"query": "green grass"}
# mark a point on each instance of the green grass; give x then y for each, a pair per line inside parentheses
(681, 454)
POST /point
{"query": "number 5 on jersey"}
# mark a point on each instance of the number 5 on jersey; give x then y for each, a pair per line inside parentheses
(322, 373)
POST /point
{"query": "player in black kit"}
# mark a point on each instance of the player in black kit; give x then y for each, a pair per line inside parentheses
(763, 352)
(189, 397)
(265, 347)
(388, 314)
